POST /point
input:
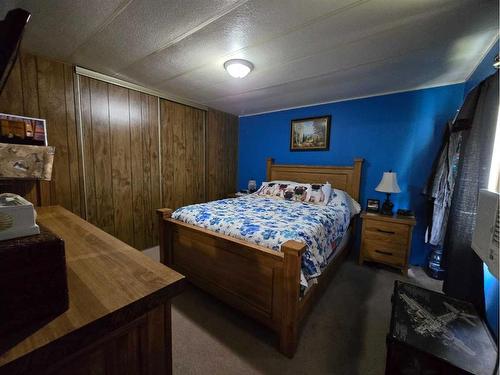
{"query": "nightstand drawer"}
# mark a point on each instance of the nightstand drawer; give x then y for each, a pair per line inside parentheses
(381, 229)
(395, 239)
(381, 253)
(386, 245)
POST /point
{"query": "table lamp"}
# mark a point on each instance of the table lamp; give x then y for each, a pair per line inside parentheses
(388, 184)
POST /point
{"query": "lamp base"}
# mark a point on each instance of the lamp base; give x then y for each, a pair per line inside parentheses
(387, 206)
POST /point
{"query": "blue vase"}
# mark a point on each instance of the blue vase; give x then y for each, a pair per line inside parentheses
(434, 268)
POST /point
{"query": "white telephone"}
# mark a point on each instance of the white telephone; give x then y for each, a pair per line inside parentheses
(17, 217)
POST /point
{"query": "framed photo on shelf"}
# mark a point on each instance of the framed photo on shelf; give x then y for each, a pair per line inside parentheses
(310, 134)
(22, 130)
(372, 205)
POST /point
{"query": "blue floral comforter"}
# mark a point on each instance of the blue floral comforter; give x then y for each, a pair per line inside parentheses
(271, 222)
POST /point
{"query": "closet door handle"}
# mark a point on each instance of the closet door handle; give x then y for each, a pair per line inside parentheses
(385, 231)
(383, 252)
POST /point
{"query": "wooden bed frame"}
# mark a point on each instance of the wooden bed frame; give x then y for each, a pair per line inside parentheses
(263, 283)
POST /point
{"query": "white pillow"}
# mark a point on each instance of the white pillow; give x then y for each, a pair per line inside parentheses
(339, 197)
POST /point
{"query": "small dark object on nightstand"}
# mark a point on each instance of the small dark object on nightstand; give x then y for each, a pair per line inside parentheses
(372, 205)
(404, 212)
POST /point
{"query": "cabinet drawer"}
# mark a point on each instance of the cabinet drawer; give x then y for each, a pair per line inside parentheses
(380, 252)
(379, 230)
(386, 245)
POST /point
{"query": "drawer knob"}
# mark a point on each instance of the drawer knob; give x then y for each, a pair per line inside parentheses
(385, 231)
(383, 252)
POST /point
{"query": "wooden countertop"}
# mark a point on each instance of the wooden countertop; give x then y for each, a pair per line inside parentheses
(109, 283)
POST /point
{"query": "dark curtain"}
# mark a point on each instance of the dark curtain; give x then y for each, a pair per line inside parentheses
(477, 121)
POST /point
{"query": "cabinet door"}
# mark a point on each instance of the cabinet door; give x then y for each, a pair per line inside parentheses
(222, 154)
(182, 154)
(121, 161)
(142, 347)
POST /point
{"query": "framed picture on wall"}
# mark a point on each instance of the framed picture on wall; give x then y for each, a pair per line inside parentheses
(310, 134)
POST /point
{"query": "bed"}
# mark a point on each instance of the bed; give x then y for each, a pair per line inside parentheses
(261, 282)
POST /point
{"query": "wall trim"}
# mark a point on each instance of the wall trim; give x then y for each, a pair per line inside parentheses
(132, 86)
(160, 152)
(354, 98)
(81, 144)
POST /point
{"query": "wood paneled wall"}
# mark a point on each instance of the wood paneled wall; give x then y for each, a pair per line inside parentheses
(41, 88)
(120, 154)
(222, 154)
(121, 150)
(182, 155)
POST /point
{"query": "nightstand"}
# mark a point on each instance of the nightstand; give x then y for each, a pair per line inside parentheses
(386, 239)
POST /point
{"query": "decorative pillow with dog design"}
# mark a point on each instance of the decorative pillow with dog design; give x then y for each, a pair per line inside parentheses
(293, 191)
(266, 189)
(319, 194)
(271, 189)
(296, 192)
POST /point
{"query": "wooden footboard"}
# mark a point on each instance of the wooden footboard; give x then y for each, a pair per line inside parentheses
(264, 284)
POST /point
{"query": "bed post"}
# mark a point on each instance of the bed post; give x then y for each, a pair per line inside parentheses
(269, 164)
(356, 178)
(292, 251)
(165, 235)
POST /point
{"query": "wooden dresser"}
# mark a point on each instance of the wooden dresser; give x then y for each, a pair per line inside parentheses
(118, 321)
(386, 239)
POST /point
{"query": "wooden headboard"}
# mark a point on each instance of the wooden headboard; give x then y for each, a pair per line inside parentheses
(347, 178)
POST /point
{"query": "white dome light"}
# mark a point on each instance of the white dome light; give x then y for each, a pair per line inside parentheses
(238, 68)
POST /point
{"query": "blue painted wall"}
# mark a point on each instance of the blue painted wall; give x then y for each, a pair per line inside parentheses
(491, 300)
(402, 132)
(491, 290)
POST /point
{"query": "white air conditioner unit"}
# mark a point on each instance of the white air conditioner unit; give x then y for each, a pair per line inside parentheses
(485, 240)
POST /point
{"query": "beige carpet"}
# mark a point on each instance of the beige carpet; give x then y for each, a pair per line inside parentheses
(344, 334)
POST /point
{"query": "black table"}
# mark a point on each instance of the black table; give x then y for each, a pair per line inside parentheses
(431, 333)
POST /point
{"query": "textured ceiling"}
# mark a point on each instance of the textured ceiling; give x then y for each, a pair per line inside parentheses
(304, 51)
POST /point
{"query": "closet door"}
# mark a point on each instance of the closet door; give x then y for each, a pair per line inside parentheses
(222, 154)
(120, 160)
(182, 154)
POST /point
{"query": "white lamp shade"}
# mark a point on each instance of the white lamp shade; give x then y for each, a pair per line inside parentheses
(388, 183)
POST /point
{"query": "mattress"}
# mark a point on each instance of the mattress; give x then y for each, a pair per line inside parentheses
(271, 222)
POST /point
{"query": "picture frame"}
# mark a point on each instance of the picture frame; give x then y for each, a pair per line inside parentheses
(310, 134)
(372, 205)
(22, 130)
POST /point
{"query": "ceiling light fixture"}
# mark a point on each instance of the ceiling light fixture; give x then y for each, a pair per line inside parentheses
(238, 68)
